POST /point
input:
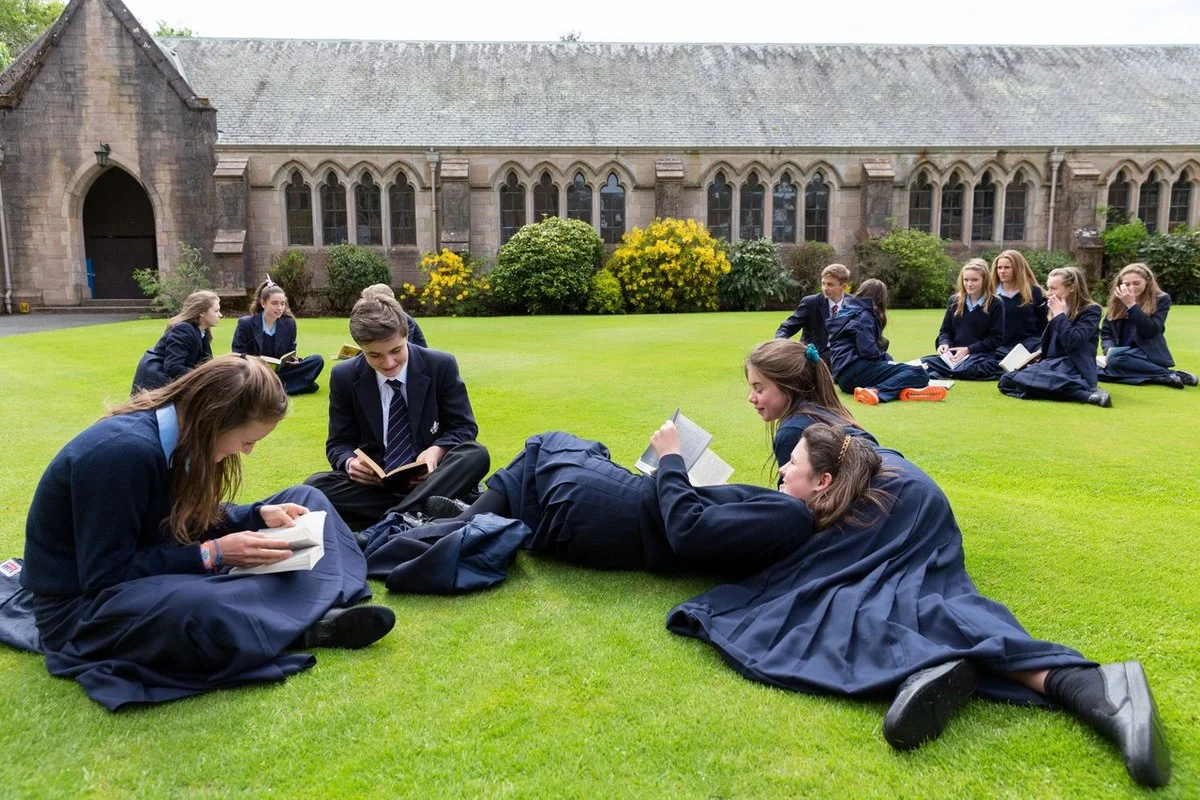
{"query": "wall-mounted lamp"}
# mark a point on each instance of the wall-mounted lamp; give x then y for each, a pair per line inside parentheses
(102, 155)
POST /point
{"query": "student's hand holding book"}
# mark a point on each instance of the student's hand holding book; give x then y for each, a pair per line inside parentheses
(665, 440)
(251, 549)
(282, 515)
(360, 472)
(430, 457)
(957, 354)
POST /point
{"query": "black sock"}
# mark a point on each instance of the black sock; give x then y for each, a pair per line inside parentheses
(490, 502)
(1080, 690)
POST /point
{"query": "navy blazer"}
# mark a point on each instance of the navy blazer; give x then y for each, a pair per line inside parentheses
(854, 335)
(178, 351)
(979, 331)
(812, 315)
(1075, 340)
(250, 339)
(1023, 322)
(1140, 330)
(439, 411)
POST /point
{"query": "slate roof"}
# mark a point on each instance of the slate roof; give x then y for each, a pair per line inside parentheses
(683, 96)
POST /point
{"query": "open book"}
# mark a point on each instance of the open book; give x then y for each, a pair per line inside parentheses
(1102, 361)
(286, 358)
(705, 468)
(347, 351)
(949, 361)
(398, 478)
(306, 541)
(1018, 357)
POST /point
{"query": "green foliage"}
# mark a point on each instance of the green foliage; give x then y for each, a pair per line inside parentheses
(804, 263)
(290, 269)
(455, 287)
(21, 23)
(673, 265)
(546, 267)
(755, 275)
(1174, 258)
(352, 269)
(1121, 243)
(604, 294)
(914, 265)
(167, 292)
(164, 29)
(1040, 261)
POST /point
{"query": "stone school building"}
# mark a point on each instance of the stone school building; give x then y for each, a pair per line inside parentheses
(118, 147)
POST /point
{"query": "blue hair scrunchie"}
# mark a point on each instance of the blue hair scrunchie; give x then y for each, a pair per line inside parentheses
(811, 353)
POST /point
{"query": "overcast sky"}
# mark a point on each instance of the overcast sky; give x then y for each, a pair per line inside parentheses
(853, 21)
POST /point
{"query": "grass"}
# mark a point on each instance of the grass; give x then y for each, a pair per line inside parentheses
(564, 682)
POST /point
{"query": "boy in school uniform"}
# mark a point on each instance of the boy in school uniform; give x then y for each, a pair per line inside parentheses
(814, 311)
(398, 403)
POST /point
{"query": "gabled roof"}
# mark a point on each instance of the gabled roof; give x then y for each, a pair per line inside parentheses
(16, 79)
(681, 96)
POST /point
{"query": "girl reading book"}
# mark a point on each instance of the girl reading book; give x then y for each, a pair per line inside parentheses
(270, 330)
(1131, 335)
(186, 343)
(972, 329)
(127, 540)
(1067, 370)
(858, 352)
(1022, 299)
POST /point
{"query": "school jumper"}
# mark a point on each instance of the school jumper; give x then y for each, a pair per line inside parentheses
(1141, 355)
(415, 335)
(791, 428)
(129, 612)
(591, 512)
(860, 607)
(1023, 324)
(980, 331)
(855, 357)
(180, 349)
(439, 413)
(811, 316)
(1067, 370)
(251, 337)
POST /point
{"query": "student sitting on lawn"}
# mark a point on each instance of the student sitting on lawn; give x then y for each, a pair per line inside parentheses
(127, 539)
(186, 343)
(270, 330)
(1023, 300)
(813, 313)
(972, 329)
(1067, 369)
(1131, 335)
(858, 352)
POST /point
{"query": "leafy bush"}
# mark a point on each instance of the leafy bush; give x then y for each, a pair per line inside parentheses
(604, 294)
(546, 267)
(913, 264)
(352, 269)
(1175, 260)
(804, 263)
(167, 292)
(673, 265)
(755, 275)
(1040, 261)
(454, 288)
(1121, 243)
(291, 271)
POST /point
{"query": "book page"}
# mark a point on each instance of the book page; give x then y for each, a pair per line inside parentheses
(710, 470)
(370, 462)
(693, 441)
(1016, 358)
(309, 531)
(308, 549)
(952, 364)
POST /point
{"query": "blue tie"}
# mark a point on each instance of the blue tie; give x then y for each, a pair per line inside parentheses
(399, 450)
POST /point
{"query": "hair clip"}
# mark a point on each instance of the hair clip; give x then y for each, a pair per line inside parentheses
(811, 353)
(845, 447)
(269, 283)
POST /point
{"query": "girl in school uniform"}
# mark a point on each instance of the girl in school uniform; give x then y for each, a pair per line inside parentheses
(971, 330)
(791, 388)
(127, 540)
(270, 330)
(858, 352)
(186, 343)
(1067, 370)
(1022, 299)
(1132, 333)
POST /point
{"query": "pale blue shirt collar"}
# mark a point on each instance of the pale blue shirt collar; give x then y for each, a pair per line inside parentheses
(1000, 291)
(168, 429)
(973, 304)
(268, 331)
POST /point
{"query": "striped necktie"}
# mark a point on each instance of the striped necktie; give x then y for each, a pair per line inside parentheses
(399, 449)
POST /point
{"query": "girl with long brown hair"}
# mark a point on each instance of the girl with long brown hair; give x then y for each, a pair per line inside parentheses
(1131, 336)
(1023, 301)
(269, 330)
(186, 342)
(130, 533)
(1067, 370)
(972, 329)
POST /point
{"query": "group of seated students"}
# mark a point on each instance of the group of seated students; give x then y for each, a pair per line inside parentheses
(993, 311)
(846, 578)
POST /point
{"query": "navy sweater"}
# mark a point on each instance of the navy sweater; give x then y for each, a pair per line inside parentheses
(854, 335)
(1139, 329)
(977, 330)
(1023, 322)
(97, 517)
(1075, 340)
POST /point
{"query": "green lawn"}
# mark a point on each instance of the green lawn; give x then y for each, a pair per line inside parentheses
(564, 682)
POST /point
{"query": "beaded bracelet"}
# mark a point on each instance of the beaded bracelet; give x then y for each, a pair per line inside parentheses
(206, 555)
(220, 556)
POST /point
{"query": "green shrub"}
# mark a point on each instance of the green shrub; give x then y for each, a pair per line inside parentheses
(291, 271)
(804, 263)
(755, 275)
(352, 269)
(1175, 260)
(913, 264)
(546, 267)
(604, 294)
(672, 265)
(167, 292)
(1040, 261)
(1121, 243)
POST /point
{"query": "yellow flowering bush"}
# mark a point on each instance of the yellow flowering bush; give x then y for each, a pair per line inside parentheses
(453, 288)
(672, 265)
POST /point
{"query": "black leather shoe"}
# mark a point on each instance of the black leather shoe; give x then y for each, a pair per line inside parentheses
(925, 702)
(351, 628)
(1188, 378)
(413, 519)
(1174, 380)
(438, 507)
(1131, 721)
(1100, 398)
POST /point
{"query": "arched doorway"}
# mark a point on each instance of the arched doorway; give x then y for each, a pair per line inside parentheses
(118, 231)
